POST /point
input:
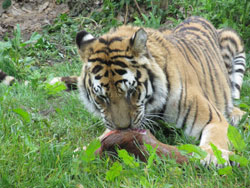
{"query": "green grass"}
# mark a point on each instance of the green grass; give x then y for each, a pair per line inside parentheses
(39, 130)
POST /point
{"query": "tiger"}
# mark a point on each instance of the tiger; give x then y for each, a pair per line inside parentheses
(188, 76)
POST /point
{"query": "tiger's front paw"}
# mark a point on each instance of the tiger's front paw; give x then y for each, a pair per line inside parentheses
(212, 159)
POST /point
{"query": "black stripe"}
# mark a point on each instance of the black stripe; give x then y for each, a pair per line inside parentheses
(211, 76)
(96, 69)
(195, 115)
(237, 86)
(209, 119)
(2, 75)
(217, 112)
(120, 71)
(160, 41)
(186, 115)
(115, 39)
(180, 99)
(191, 47)
(96, 59)
(120, 81)
(122, 56)
(106, 74)
(186, 29)
(240, 71)
(89, 82)
(210, 115)
(88, 94)
(114, 50)
(138, 75)
(151, 78)
(242, 64)
(184, 53)
(240, 57)
(84, 81)
(108, 42)
(185, 97)
(101, 51)
(206, 24)
(98, 77)
(231, 41)
(120, 63)
(102, 40)
(139, 95)
(146, 86)
(230, 50)
(226, 100)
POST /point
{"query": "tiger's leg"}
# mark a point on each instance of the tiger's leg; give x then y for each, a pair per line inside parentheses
(70, 82)
(215, 133)
(236, 116)
(212, 126)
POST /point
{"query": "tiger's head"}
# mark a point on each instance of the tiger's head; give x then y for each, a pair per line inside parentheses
(120, 80)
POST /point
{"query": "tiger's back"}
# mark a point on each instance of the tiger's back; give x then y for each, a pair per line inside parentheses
(200, 72)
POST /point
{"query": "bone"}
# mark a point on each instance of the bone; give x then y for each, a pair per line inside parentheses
(133, 141)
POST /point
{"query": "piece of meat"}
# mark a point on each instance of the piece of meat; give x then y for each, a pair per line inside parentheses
(133, 141)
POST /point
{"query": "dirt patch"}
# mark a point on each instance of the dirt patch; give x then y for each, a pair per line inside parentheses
(31, 15)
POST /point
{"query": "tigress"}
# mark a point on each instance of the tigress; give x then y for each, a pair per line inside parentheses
(189, 76)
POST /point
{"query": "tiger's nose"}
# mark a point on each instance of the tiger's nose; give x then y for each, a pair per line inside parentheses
(122, 123)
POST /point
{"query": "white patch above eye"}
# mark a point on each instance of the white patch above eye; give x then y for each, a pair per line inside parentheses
(97, 89)
(130, 82)
(87, 37)
(150, 89)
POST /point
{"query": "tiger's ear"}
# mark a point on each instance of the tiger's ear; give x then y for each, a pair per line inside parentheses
(83, 42)
(138, 42)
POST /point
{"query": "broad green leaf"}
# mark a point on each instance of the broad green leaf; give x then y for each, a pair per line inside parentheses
(236, 139)
(114, 171)
(89, 154)
(17, 37)
(127, 159)
(239, 159)
(225, 171)
(6, 4)
(5, 45)
(189, 148)
(152, 154)
(244, 106)
(54, 89)
(34, 38)
(25, 115)
(218, 154)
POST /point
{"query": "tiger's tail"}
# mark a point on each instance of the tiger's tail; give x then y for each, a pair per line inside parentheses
(233, 53)
(6, 79)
